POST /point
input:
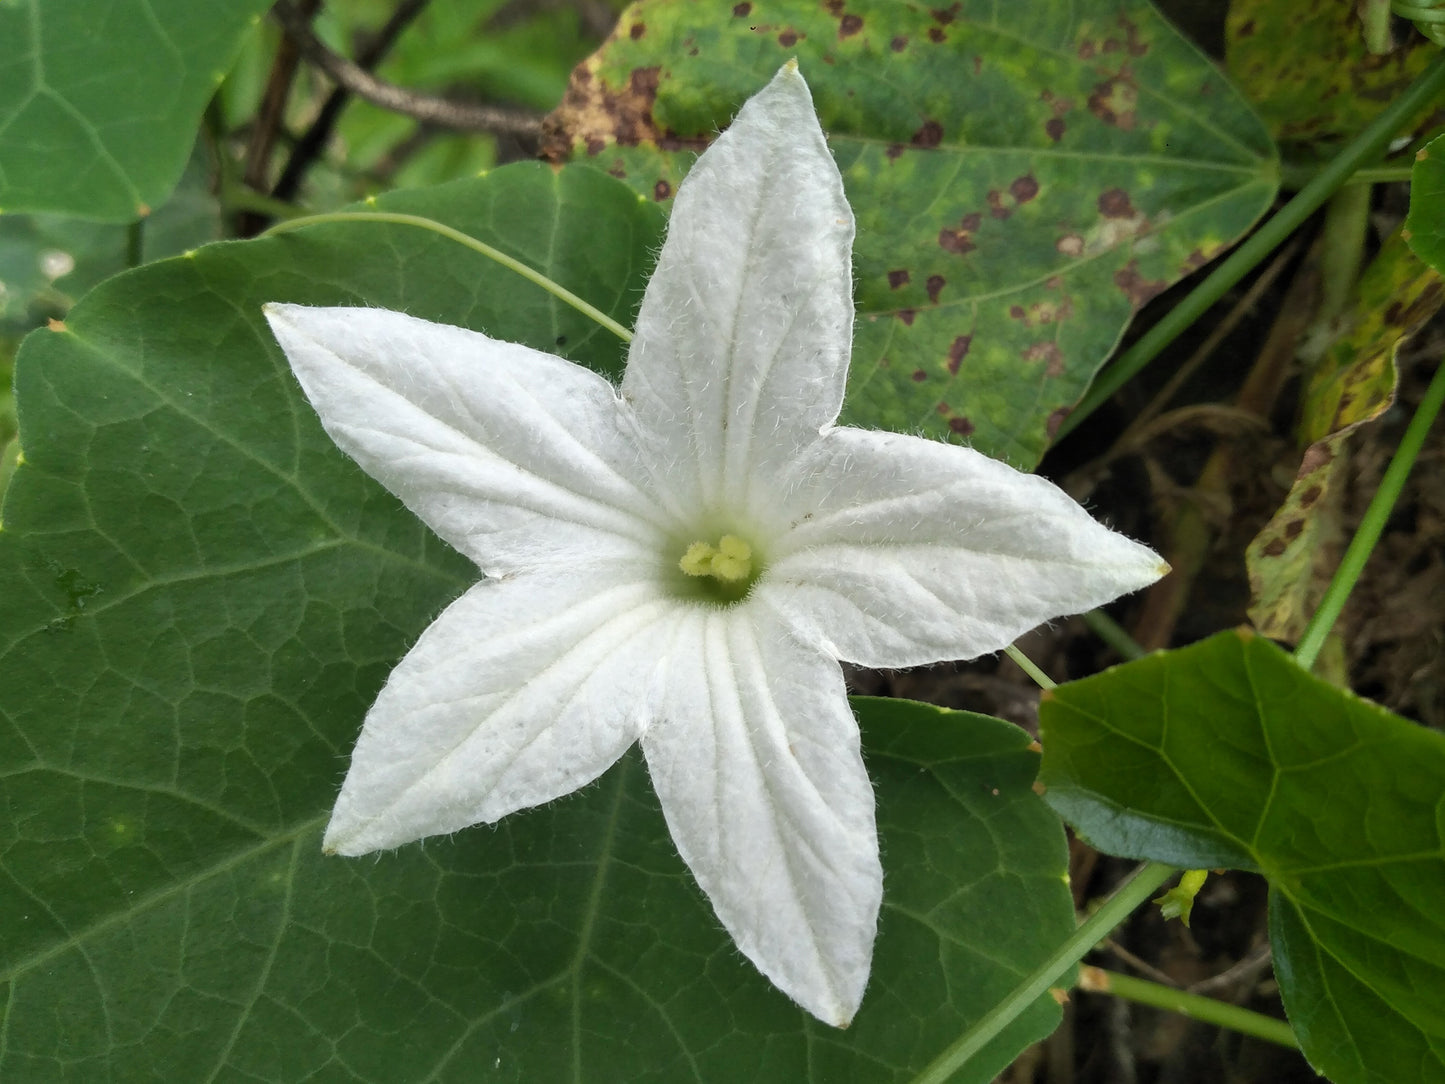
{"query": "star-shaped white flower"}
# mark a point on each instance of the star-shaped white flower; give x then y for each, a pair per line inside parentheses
(681, 561)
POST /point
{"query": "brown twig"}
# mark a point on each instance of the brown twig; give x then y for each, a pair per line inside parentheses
(309, 147)
(442, 112)
(268, 120)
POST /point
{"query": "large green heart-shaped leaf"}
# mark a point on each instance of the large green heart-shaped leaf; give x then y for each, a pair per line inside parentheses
(1025, 176)
(1229, 754)
(99, 103)
(199, 596)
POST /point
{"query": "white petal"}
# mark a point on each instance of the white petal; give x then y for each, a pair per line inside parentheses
(755, 759)
(515, 457)
(745, 330)
(521, 691)
(909, 551)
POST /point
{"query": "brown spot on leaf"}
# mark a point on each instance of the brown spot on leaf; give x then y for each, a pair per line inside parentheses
(1135, 45)
(1293, 529)
(1194, 261)
(849, 26)
(957, 351)
(661, 190)
(957, 241)
(1016, 312)
(1070, 244)
(1024, 188)
(1138, 289)
(907, 315)
(960, 425)
(946, 15)
(1056, 419)
(898, 44)
(835, 7)
(1275, 547)
(741, 10)
(897, 278)
(996, 205)
(1047, 352)
(895, 150)
(935, 287)
(595, 109)
(1310, 496)
(937, 36)
(1317, 455)
(944, 409)
(638, 29)
(930, 135)
(595, 146)
(618, 170)
(788, 38)
(1115, 204)
(1115, 100)
(1054, 129)
(919, 376)
(1086, 50)
(1246, 30)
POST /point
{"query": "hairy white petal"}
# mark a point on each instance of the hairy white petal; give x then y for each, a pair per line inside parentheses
(744, 333)
(515, 457)
(755, 759)
(909, 551)
(521, 691)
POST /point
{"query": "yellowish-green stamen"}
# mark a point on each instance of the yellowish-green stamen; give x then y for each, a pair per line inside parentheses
(730, 561)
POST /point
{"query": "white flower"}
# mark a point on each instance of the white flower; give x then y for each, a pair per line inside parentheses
(682, 561)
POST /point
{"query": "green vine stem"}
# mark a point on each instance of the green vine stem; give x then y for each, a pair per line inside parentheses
(1096, 980)
(1363, 147)
(395, 218)
(1029, 667)
(1373, 523)
(1142, 884)
(1114, 634)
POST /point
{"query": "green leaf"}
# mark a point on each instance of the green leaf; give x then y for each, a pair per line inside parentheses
(99, 103)
(1227, 753)
(1309, 71)
(47, 261)
(1425, 224)
(1025, 177)
(200, 596)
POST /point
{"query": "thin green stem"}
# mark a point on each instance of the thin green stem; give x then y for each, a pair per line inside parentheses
(1112, 633)
(1142, 884)
(236, 196)
(1029, 667)
(1209, 1010)
(135, 242)
(561, 293)
(1289, 217)
(1373, 523)
(1293, 176)
(1342, 247)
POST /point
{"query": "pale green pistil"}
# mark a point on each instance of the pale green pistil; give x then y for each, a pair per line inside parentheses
(730, 562)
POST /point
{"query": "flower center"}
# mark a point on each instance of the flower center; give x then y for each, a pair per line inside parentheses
(723, 572)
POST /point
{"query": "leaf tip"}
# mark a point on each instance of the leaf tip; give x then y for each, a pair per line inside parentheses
(1245, 633)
